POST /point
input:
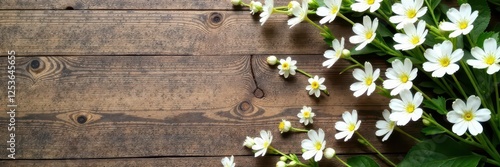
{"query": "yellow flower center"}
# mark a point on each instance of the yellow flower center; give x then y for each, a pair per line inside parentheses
(490, 59)
(411, 13)
(290, 5)
(370, 2)
(369, 34)
(404, 78)
(463, 24)
(369, 81)
(281, 126)
(445, 61)
(266, 144)
(307, 114)
(335, 9)
(392, 124)
(415, 40)
(410, 108)
(468, 116)
(318, 145)
(315, 85)
(351, 127)
(285, 66)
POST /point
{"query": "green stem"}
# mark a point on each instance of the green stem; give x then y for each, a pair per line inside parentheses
(280, 11)
(425, 95)
(375, 149)
(431, 12)
(445, 83)
(345, 18)
(473, 81)
(470, 41)
(489, 146)
(315, 25)
(273, 150)
(459, 86)
(497, 97)
(386, 48)
(341, 161)
(404, 133)
(292, 129)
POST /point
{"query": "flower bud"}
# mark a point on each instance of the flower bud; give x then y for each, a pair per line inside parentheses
(284, 126)
(236, 2)
(255, 7)
(346, 53)
(272, 60)
(292, 5)
(363, 142)
(280, 164)
(426, 122)
(329, 153)
(249, 142)
(283, 158)
(292, 163)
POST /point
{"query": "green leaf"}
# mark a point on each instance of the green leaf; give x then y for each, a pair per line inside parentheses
(383, 31)
(432, 130)
(483, 19)
(485, 35)
(362, 161)
(434, 4)
(441, 150)
(438, 105)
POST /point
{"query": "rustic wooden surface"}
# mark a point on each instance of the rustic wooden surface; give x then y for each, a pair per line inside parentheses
(166, 83)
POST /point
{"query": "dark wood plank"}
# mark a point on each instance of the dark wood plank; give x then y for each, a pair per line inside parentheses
(45, 32)
(142, 106)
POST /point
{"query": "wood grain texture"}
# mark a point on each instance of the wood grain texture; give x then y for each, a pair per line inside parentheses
(143, 106)
(108, 32)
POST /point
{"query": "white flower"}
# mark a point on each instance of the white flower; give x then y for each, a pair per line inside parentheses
(461, 21)
(407, 12)
(228, 162)
(413, 37)
(262, 143)
(292, 5)
(442, 60)
(362, 5)
(487, 58)
(407, 108)
(272, 60)
(249, 142)
(329, 153)
(284, 126)
(467, 116)
(348, 126)
(365, 33)
(255, 7)
(366, 80)
(306, 115)
(316, 85)
(400, 76)
(280, 164)
(386, 126)
(300, 14)
(267, 11)
(314, 146)
(329, 11)
(287, 67)
(335, 54)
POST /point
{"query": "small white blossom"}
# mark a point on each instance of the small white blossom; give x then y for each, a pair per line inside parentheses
(316, 86)
(441, 59)
(407, 108)
(467, 116)
(268, 9)
(407, 12)
(272, 60)
(335, 54)
(306, 115)
(292, 5)
(255, 7)
(300, 14)
(487, 58)
(348, 126)
(287, 67)
(386, 126)
(314, 146)
(400, 76)
(249, 142)
(228, 162)
(284, 126)
(262, 143)
(461, 21)
(363, 5)
(365, 33)
(413, 37)
(329, 153)
(366, 80)
(329, 12)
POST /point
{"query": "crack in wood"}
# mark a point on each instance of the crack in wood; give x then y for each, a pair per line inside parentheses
(257, 92)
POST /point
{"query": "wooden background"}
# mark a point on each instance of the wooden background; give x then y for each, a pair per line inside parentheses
(167, 83)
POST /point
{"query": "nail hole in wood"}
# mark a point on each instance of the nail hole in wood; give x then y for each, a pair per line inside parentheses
(35, 64)
(81, 119)
(69, 8)
(244, 106)
(216, 17)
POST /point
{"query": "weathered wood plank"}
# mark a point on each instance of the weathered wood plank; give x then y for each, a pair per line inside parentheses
(35, 33)
(131, 106)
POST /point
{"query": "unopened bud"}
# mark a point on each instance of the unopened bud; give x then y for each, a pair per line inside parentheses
(255, 7)
(236, 2)
(426, 122)
(292, 163)
(329, 153)
(283, 158)
(346, 53)
(363, 142)
(280, 164)
(272, 60)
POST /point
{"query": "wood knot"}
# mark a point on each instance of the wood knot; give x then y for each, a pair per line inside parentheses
(79, 117)
(258, 93)
(215, 19)
(246, 109)
(36, 66)
(244, 106)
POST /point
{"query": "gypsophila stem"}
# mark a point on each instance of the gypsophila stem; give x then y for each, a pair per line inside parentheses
(406, 134)
(375, 149)
(342, 161)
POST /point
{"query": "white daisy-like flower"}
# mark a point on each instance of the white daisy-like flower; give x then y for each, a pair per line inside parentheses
(255, 7)
(300, 14)
(335, 54)
(461, 21)
(228, 162)
(407, 12)
(348, 126)
(386, 126)
(316, 86)
(262, 143)
(442, 60)
(306, 115)
(487, 58)
(366, 80)
(287, 67)
(467, 116)
(267, 10)
(413, 37)
(329, 12)
(363, 5)
(314, 146)
(365, 33)
(407, 108)
(284, 126)
(249, 142)
(400, 76)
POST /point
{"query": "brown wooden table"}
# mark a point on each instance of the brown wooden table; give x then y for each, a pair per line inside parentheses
(166, 83)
